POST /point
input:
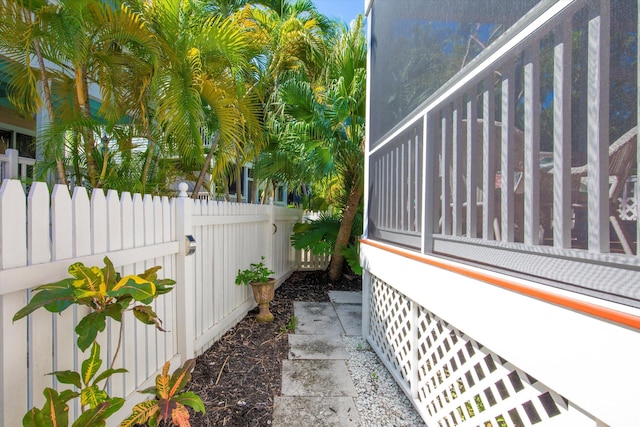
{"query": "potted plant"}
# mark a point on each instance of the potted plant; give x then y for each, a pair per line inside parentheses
(258, 276)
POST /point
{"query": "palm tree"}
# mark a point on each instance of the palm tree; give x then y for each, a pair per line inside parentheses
(293, 37)
(198, 79)
(85, 42)
(320, 130)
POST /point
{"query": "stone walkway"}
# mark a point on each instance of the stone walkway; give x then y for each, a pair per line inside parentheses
(316, 384)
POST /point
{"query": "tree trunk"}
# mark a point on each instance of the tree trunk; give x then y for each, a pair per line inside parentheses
(238, 183)
(205, 167)
(87, 134)
(62, 176)
(344, 233)
(238, 177)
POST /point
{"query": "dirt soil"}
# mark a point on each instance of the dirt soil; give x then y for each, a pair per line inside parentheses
(238, 377)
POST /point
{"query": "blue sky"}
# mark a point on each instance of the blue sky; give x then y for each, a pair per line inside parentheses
(346, 10)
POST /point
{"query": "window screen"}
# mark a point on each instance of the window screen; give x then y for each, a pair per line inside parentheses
(417, 45)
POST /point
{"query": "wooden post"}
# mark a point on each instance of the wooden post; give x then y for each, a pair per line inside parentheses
(184, 276)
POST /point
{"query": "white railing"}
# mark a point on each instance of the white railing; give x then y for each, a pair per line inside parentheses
(12, 166)
(465, 147)
(42, 234)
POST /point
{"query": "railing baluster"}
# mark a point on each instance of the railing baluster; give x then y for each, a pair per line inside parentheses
(472, 164)
(429, 153)
(458, 168)
(404, 184)
(507, 156)
(532, 145)
(396, 189)
(416, 201)
(445, 132)
(488, 159)
(387, 192)
(598, 127)
(562, 136)
(411, 166)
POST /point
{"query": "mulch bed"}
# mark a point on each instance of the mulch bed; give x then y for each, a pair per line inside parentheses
(238, 377)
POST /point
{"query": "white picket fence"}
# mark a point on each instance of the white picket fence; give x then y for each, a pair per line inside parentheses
(42, 234)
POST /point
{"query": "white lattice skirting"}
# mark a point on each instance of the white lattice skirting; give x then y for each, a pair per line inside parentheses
(454, 380)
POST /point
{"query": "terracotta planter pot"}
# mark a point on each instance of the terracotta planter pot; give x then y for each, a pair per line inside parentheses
(263, 294)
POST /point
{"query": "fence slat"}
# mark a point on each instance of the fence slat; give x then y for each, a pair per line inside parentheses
(114, 243)
(13, 353)
(62, 249)
(40, 322)
(149, 238)
(82, 230)
(128, 350)
(198, 234)
(167, 272)
(114, 222)
(98, 240)
(38, 246)
(99, 223)
(142, 370)
(218, 267)
(158, 304)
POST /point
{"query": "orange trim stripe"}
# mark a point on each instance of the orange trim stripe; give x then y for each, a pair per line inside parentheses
(563, 301)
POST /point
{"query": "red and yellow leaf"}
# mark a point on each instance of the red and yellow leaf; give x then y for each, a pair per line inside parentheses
(162, 382)
(181, 377)
(180, 416)
(141, 413)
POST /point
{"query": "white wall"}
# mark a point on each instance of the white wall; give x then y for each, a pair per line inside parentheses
(591, 362)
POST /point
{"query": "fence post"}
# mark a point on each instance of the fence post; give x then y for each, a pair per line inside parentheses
(184, 276)
(270, 231)
(12, 169)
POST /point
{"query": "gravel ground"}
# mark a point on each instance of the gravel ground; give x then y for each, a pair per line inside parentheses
(380, 401)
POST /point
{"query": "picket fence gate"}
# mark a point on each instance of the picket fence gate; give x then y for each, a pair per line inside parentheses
(42, 234)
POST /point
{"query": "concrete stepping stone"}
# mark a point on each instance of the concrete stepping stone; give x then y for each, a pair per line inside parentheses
(316, 318)
(321, 378)
(350, 316)
(291, 411)
(316, 347)
(345, 297)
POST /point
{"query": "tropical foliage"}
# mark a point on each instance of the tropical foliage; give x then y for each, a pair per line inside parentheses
(108, 295)
(271, 82)
(170, 403)
(319, 126)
